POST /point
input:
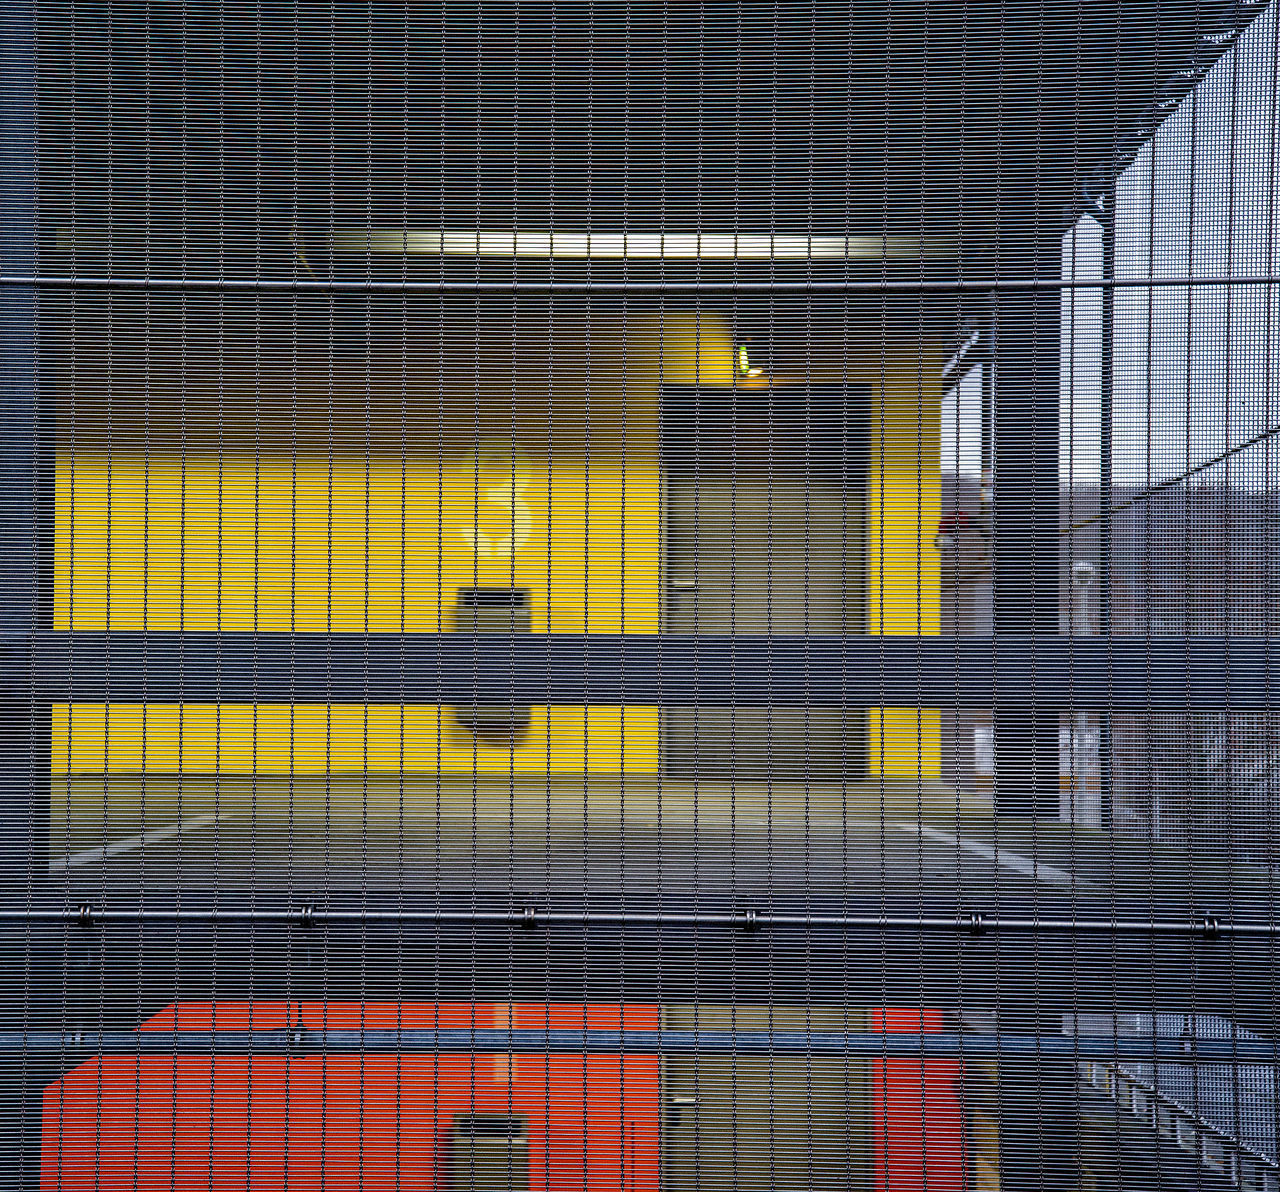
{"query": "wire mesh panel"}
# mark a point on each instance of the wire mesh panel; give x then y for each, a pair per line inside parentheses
(639, 597)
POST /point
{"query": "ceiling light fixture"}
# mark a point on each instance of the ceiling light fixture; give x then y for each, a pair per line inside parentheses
(638, 246)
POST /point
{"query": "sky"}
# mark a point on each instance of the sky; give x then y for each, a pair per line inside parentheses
(1196, 370)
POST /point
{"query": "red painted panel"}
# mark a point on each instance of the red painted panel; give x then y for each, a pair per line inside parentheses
(346, 1122)
(918, 1131)
(206, 1124)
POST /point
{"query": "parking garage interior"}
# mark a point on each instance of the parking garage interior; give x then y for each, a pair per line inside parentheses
(640, 599)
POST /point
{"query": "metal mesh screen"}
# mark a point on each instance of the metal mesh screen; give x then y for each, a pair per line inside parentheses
(639, 597)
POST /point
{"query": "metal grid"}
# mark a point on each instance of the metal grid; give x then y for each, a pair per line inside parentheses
(639, 598)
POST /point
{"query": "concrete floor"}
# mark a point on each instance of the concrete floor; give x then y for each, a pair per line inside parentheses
(868, 849)
(638, 837)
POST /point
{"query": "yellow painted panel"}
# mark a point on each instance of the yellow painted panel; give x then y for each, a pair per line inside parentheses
(903, 563)
(311, 544)
(697, 349)
(344, 738)
(903, 567)
(341, 528)
(285, 544)
(905, 743)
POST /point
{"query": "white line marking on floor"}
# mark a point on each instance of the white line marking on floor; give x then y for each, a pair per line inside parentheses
(1036, 870)
(128, 843)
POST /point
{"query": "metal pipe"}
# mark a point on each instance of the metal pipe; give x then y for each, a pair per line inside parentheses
(302, 1041)
(529, 918)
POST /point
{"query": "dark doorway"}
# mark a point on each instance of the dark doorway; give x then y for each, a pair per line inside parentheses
(765, 534)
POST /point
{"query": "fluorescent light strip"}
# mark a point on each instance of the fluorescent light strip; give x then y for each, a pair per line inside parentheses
(638, 246)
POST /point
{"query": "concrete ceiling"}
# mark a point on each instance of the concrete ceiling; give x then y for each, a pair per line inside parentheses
(950, 120)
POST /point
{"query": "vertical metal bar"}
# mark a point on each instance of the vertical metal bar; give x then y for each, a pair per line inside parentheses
(1025, 516)
(23, 727)
(1038, 1120)
(1106, 795)
(25, 524)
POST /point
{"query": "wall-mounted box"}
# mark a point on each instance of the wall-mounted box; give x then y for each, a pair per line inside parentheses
(493, 610)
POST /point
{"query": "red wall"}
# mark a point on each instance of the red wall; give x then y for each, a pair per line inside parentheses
(205, 1124)
(918, 1131)
(236, 1123)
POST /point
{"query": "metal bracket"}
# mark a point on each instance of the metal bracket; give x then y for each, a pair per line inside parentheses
(975, 922)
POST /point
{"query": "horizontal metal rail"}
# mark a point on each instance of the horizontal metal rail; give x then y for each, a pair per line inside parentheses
(531, 917)
(723, 284)
(1119, 674)
(305, 1041)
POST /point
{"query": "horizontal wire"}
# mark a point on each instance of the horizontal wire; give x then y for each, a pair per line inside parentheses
(510, 285)
(301, 1041)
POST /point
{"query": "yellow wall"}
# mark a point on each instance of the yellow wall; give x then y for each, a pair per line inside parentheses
(275, 560)
(238, 501)
(309, 544)
(157, 531)
(903, 507)
(904, 572)
(239, 739)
